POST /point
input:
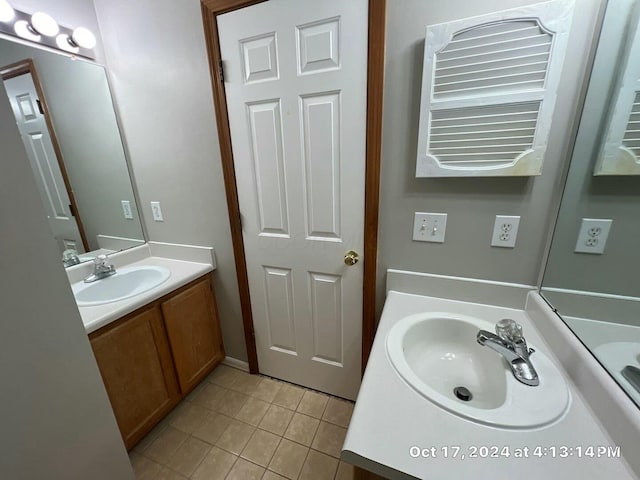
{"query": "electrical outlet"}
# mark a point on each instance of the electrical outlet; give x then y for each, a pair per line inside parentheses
(593, 235)
(126, 209)
(505, 231)
(157, 211)
(429, 227)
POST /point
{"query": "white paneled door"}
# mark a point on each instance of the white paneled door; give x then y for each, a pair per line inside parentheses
(44, 162)
(295, 76)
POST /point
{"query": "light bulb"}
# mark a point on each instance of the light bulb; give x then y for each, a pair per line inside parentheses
(44, 24)
(23, 31)
(65, 43)
(6, 11)
(83, 37)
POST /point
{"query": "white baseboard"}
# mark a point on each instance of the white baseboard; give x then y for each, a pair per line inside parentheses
(235, 363)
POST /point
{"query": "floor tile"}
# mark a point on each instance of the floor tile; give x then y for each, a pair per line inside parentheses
(288, 459)
(302, 429)
(289, 396)
(195, 392)
(215, 465)
(313, 404)
(188, 456)
(319, 466)
(261, 447)
(211, 396)
(144, 444)
(235, 437)
(267, 389)
(345, 471)
(223, 376)
(165, 445)
(244, 470)
(269, 475)
(252, 411)
(276, 420)
(246, 383)
(189, 417)
(212, 428)
(329, 439)
(231, 403)
(144, 468)
(338, 412)
(168, 474)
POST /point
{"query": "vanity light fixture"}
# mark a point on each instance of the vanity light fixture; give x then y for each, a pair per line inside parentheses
(6, 11)
(41, 28)
(22, 29)
(65, 43)
(44, 24)
(83, 37)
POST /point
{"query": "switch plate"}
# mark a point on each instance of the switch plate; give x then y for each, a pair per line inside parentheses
(126, 209)
(593, 235)
(429, 227)
(505, 231)
(157, 211)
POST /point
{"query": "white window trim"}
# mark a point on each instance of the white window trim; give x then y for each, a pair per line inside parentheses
(555, 18)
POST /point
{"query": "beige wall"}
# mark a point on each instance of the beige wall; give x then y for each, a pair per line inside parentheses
(471, 203)
(57, 422)
(157, 61)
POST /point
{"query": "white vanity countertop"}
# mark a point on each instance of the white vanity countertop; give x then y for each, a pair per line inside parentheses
(390, 417)
(182, 272)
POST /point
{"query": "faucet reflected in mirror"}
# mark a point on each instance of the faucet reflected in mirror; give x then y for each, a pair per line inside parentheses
(65, 115)
(591, 277)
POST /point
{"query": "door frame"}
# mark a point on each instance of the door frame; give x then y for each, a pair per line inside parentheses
(375, 81)
(27, 66)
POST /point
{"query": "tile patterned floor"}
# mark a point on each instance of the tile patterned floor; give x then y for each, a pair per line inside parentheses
(237, 426)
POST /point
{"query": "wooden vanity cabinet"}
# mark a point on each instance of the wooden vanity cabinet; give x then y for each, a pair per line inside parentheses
(152, 358)
(194, 334)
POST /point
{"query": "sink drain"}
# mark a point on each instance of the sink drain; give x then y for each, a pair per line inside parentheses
(463, 393)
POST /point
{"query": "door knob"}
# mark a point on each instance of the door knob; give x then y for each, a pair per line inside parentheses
(351, 258)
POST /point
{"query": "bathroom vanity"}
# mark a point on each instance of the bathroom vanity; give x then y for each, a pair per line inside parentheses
(409, 424)
(153, 348)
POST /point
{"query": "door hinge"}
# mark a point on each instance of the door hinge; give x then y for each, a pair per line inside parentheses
(221, 69)
(40, 109)
(71, 209)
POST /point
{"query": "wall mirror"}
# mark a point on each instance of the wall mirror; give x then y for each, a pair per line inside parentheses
(592, 276)
(65, 115)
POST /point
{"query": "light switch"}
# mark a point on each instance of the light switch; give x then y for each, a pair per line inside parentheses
(429, 227)
(157, 211)
(126, 209)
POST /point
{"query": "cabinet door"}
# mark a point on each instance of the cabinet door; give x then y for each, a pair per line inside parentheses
(192, 325)
(135, 362)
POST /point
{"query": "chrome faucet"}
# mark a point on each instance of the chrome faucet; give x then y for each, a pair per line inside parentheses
(510, 343)
(101, 269)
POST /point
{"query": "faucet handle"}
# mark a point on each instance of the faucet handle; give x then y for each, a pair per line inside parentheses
(509, 330)
(100, 261)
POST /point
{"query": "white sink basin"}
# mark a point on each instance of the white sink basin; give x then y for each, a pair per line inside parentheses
(437, 352)
(126, 283)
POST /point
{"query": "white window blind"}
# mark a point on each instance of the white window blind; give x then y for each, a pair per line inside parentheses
(621, 150)
(488, 91)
